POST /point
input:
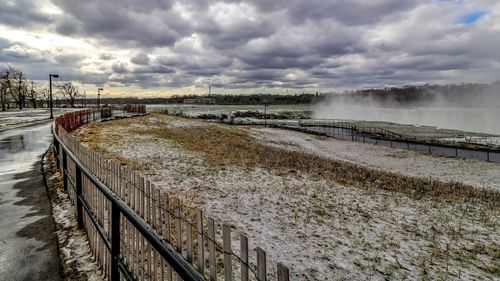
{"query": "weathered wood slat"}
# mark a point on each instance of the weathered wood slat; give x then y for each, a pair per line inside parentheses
(212, 259)
(283, 273)
(189, 242)
(178, 226)
(244, 257)
(228, 265)
(154, 207)
(201, 246)
(261, 265)
(168, 233)
(147, 254)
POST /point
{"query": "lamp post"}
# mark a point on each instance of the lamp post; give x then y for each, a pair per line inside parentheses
(99, 97)
(50, 93)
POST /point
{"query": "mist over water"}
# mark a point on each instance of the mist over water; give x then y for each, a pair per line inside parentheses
(481, 120)
(476, 112)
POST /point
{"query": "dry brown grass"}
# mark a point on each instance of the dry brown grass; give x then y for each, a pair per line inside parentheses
(232, 145)
(97, 137)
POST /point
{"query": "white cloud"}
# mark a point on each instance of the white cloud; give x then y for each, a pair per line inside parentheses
(254, 44)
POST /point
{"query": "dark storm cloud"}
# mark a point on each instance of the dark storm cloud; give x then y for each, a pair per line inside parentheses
(117, 21)
(141, 59)
(23, 13)
(261, 75)
(4, 43)
(261, 43)
(106, 57)
(157, 69)
(68, 59)
(353, 12)
(280, 62)
(195, 62)
(119, 68)
(432, 63)
(37, 64)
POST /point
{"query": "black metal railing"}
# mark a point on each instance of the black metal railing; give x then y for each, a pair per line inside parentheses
(379, 136)
(119, 210)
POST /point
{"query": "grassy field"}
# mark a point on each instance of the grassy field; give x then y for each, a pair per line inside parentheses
(323, 218)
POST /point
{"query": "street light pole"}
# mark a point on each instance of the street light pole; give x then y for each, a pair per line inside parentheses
(50, 91)
(99, 97)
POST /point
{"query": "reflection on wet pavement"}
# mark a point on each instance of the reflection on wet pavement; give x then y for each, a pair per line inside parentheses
(28, 246)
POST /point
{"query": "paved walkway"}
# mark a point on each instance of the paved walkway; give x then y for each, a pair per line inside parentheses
(28, 243)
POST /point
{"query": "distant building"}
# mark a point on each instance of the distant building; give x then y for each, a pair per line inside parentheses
(199, 101)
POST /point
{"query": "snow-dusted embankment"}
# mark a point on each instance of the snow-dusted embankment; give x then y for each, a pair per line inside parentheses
(319, 228)
(468, 171)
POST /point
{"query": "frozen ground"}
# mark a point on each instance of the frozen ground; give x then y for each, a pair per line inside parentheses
(323, 230)
(199, 109)
(17, 118)
(488, 140)
(472, 172)
(74, 249)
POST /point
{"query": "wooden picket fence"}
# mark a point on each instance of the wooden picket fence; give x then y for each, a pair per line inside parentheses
(214, 249)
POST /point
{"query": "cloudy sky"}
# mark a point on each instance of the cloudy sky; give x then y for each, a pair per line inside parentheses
(162, 47)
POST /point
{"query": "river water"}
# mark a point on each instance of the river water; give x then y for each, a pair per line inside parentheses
(480, 120)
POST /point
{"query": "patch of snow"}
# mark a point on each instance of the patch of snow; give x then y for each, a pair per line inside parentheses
(411, 163)
(491, 140)
(73, 243)
(19, 118)
(323, 230)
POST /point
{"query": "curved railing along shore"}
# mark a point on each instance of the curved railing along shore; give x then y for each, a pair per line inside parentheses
(136, 231)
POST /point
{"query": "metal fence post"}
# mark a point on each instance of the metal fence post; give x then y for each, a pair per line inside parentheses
(65, 167)
(56, 151)
(115, 242)
(54, 141)
(79, 191)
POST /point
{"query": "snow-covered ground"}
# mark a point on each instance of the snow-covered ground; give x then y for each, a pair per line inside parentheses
(323, 230)
(12, 119)
(17, 118)
(74, 249)
(471, 172)
(490, 140)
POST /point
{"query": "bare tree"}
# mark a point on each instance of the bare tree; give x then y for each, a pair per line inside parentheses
(45, 95)
(3, 89)
(69, 91)
(17, 85)
(33, 94)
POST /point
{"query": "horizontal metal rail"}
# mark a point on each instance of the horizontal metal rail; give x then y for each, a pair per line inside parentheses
(183, 268)
(388, 135)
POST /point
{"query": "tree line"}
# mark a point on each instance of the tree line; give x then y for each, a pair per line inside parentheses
(17, 91)
(458, 94)
(224, 99)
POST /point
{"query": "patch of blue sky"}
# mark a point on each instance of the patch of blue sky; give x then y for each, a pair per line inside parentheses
(449, 2)
(471, 17)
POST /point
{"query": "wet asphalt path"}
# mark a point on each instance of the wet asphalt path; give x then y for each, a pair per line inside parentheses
(28, 243)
